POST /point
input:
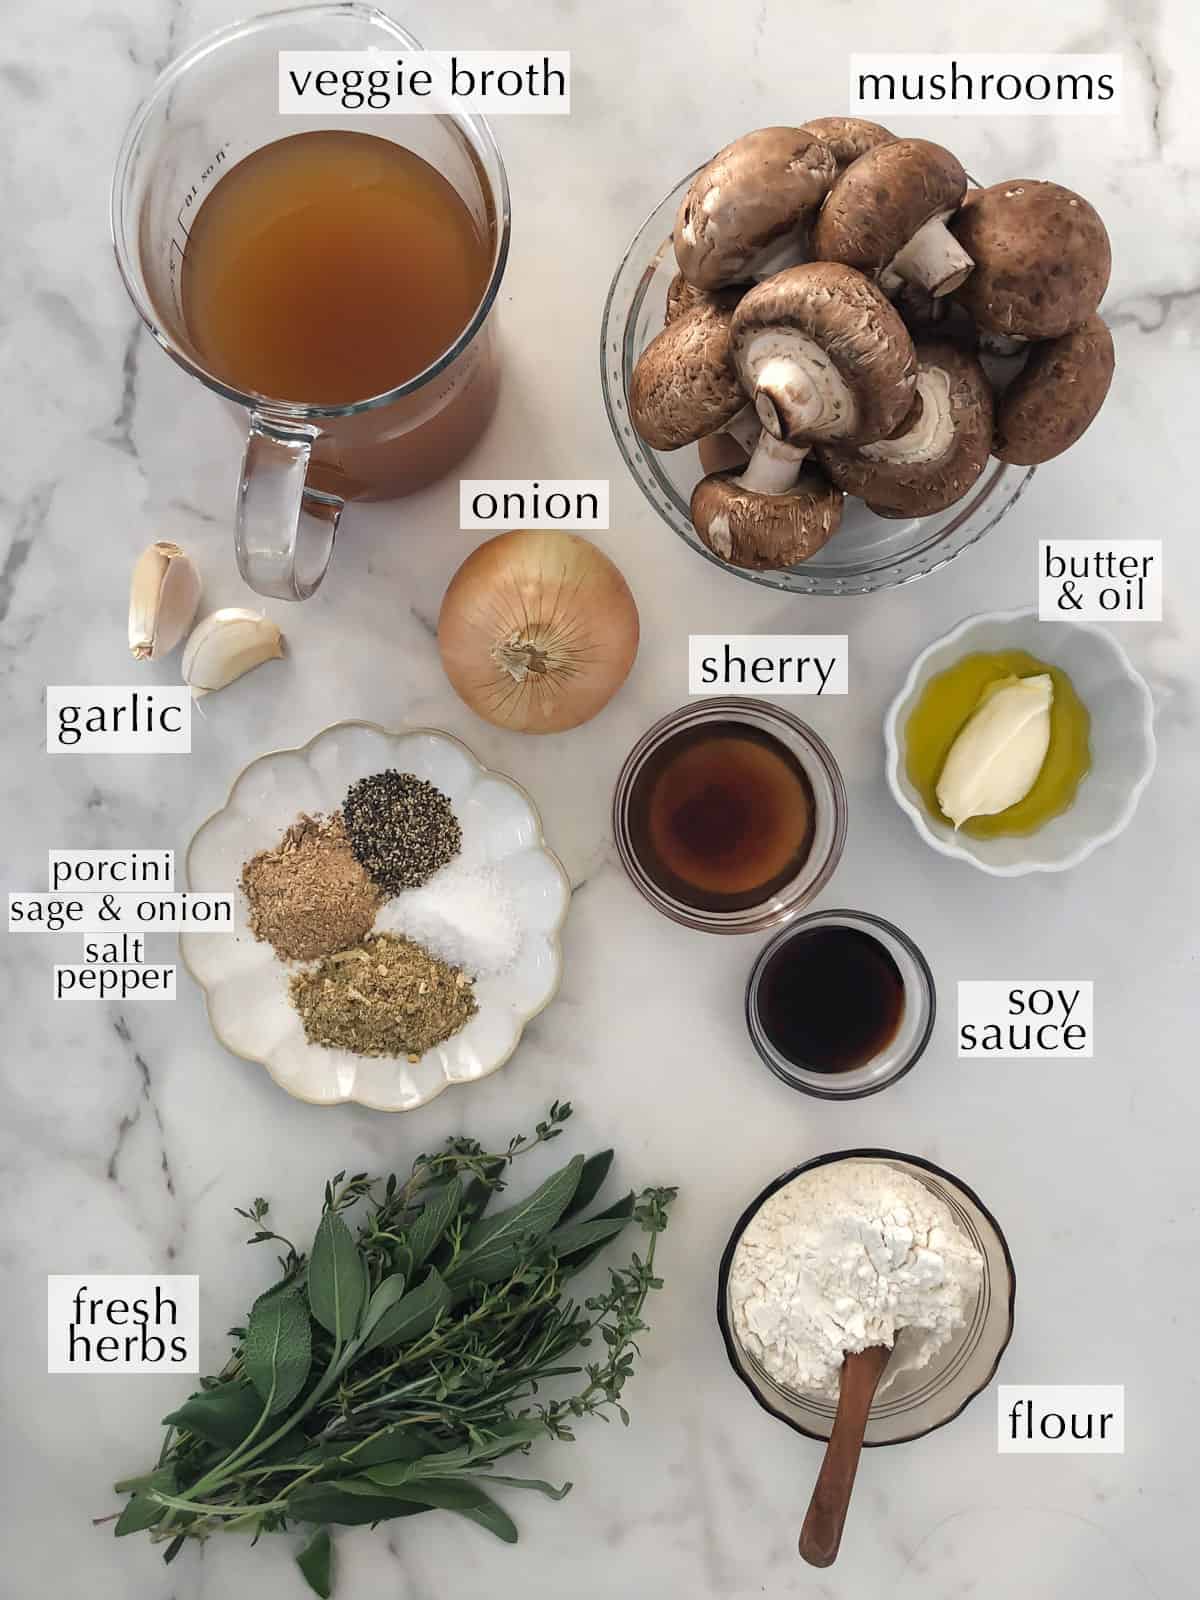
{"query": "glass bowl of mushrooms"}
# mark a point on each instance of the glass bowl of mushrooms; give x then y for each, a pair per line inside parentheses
(820, 542)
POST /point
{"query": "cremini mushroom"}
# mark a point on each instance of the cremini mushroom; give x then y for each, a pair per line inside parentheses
(848, 137)
(684, 385)
(776, 513)
(1042, 259)
(684, 296)
(937, 452)
(823, 355)
(745, 213)
(1055, 398)
(887, 215)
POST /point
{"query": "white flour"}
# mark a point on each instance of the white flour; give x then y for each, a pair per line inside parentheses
(847, 1256)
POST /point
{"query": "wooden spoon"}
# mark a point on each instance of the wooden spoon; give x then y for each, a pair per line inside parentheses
(822, 1531)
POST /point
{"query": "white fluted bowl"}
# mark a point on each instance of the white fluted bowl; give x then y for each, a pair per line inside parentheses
(246, 986)
(1122, 741)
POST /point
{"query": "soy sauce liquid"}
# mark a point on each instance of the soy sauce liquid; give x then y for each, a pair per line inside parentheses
(830, 999)
(722, 816)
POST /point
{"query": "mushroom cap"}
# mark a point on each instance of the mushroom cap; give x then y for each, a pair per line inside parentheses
(856, 329)
(895, 485)
(883, 198)
(1056, 396)
(684, 296)
(1042, 258)
(848, 137)
(758, 189)
(934, 319)
(684, 384)
(766, 531)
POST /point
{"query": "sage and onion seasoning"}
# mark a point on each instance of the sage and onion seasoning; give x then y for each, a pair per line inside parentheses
(401, 828)
(385, 997)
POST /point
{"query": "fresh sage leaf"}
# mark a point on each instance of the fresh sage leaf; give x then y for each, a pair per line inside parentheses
(143, 1510)
(491, 1241)
(441, 1464)
(538, 1485)
(580, 1258)
(441, 1207)
(573, 1237)
(591, 1181)
(385, 1297)
(401, 1443)
(492, 1517)
(222, 1416)
(336, 1285)
(412, 1315)
(316, 1563)
(278, 1349)
(347, 1504)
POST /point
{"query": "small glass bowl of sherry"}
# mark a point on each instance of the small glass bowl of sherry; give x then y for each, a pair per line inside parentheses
(840, 1004)
(730, 815)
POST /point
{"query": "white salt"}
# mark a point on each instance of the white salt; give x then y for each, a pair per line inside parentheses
(462, 915)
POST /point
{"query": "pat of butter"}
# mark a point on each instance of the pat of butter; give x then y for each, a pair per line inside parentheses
(999, 752)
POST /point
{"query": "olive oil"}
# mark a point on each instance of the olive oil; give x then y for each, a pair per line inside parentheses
(946, 703)
(722, 816)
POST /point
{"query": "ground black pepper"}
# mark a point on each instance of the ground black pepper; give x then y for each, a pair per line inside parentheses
(401, 828)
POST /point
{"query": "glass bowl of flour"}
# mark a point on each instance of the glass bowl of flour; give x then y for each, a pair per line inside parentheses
(865, 1247)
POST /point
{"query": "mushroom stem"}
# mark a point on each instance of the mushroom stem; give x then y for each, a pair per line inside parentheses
(933, 258)
(931, 432)
(745, 428)
(789, 251)
(797, 389)
(774, 467)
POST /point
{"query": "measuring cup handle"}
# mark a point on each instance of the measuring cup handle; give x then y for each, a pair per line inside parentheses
(285, 530)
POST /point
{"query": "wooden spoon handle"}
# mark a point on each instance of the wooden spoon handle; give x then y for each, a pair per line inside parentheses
(822, 1531)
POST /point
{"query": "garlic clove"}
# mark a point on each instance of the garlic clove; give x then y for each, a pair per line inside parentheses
(163, 595)
(225, 645)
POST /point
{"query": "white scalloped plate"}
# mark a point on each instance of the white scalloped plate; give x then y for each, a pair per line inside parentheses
(1122, 740)
(246, 987)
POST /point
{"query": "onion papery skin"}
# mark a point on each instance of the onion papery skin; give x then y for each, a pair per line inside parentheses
(538, 630)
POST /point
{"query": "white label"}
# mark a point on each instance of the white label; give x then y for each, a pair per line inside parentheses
(93, 869)
(110, 913)
(994, 85)
(109, 981)
(356, 83)
(1097, 580)
(768, 663)
(1035, 1020)
(1060, 1419)
(115, 720)
(533, 503)
(122, 1323)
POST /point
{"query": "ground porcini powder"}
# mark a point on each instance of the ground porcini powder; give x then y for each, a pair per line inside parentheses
(385, 997)
(309, 897)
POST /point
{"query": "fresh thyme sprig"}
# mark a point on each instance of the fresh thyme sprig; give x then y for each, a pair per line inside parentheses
(394, 1364)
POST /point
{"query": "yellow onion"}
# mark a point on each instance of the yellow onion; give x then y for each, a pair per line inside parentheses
(538, 631)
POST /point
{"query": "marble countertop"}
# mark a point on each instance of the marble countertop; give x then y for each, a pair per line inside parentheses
(129, 1135)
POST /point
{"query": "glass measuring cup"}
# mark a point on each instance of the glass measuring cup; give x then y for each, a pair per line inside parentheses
(212, 107)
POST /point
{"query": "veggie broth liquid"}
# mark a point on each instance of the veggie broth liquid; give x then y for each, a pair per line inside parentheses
(330, 267)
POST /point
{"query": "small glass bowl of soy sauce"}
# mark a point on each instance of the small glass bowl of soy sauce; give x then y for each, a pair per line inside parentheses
(840, 1004)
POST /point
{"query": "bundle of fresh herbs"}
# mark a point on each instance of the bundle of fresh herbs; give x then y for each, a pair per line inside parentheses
(392, 1367)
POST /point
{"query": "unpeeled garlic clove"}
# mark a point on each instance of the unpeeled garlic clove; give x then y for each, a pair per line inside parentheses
(226, 644)
(163, 595)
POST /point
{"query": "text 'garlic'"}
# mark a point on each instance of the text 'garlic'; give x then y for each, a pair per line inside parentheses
(995, 760)
(163, 596)
(227, 644)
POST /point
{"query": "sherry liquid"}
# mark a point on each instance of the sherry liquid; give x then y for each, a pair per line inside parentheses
(722, 816)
